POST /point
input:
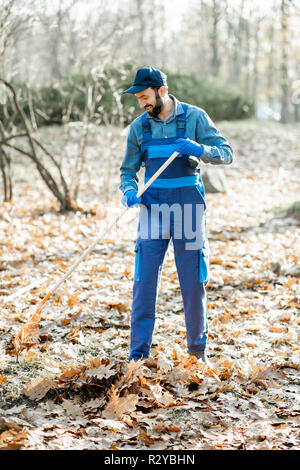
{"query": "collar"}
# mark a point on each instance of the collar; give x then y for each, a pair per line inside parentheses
(178, 109)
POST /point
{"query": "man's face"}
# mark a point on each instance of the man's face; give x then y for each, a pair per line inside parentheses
(151, 101)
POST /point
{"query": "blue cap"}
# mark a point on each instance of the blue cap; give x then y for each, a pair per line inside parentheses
(147, 77)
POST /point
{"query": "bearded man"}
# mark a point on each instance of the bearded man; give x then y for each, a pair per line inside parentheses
(166, 126)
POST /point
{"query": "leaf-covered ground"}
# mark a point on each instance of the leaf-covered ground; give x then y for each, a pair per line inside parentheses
(75, 389)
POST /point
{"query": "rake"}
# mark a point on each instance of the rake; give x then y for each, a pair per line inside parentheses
(28, 335)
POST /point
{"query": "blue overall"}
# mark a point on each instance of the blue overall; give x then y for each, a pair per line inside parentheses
(180, 189)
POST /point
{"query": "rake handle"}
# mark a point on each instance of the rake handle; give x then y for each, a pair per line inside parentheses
(96, 241)
(157, 173)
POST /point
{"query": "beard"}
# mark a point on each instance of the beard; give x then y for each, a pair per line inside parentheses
(155, 110)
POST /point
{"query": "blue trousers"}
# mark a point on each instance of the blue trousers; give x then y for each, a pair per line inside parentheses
(191, 264)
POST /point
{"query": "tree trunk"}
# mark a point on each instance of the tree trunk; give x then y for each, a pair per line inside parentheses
(236, 59)
(141, 27)
(246, 57)
(284, 63)
(255, 62)
(270, 70)
(215, 60)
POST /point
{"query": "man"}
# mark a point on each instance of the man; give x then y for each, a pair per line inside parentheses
(167, 126)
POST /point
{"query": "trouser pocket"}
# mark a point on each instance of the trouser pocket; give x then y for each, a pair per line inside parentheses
(201, 192)
(203, 265)
(137, 267)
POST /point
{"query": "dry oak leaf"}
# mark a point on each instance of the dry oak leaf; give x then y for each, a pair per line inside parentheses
(73, 299)
(3, 379)
(28, 336)
(12, 422)
(120, 306)
(69, 372)
(225, 368)
(75, 334)
(100, 369)
(117, 405)
(135, 372)
(38, 388)
(12, 440)
(164, 364)
(148, 438)
(127, 270)
(164, 427)
(111, 424)
(161, 397)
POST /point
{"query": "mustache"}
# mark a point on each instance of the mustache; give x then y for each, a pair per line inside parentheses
(155, 110)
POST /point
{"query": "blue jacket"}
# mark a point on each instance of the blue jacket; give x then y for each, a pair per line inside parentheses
(199, 127)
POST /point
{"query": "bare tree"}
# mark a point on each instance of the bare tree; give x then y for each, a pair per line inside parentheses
(237, 50)
(214, 37)
(284, 62)
(56, 26)
(9, 134)
(15, 19)
(271, 64)
(255, 74)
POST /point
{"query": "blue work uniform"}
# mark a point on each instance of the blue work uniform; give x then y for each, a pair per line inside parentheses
(179, 193)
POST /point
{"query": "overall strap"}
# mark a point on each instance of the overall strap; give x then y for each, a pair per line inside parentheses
(181, 121)
(146, 126)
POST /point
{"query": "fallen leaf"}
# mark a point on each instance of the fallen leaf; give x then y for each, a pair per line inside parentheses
(13, 440)
(117, 406)
(38, 388)
(73, 299)
(120, 306)
(3, 379)
(28, 336)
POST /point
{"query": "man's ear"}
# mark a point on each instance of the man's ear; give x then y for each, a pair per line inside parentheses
(163, 90)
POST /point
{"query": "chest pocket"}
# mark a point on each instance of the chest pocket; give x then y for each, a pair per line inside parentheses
(161, 151)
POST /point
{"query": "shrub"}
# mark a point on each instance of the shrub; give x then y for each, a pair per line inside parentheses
(68, 98)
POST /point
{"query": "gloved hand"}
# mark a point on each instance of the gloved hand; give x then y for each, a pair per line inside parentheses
(189, 147)
(129, 198)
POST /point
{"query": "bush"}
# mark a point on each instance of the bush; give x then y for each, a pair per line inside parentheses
(67, 99)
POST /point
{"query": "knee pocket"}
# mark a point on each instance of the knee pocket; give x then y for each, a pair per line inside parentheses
(137, 266)
(203, 266)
